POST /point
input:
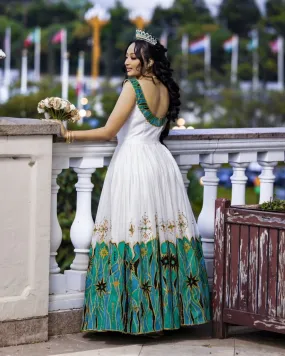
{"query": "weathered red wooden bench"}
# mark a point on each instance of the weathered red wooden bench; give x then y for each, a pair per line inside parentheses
(249, 269)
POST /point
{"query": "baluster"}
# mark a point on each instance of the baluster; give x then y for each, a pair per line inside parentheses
(267, 179)
(268, 160)
(57, 280)
(81, 231)
(184, 169)
(239, 161)
(206, 218)
(238, 180)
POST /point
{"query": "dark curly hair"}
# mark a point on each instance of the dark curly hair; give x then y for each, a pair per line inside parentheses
(145, 51)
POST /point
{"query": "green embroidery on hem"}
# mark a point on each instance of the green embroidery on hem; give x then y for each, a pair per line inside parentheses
(147, 287)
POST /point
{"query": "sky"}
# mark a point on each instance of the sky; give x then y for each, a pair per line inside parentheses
(149, 4)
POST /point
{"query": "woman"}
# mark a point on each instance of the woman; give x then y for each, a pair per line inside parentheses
(147, 272)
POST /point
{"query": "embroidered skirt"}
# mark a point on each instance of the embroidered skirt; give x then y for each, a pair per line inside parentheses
(147, 271)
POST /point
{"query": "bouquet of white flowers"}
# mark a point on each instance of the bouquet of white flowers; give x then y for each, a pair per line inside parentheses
(58, 109)
(2, 54)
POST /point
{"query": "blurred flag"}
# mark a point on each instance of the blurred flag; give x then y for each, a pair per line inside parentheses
(164, 38)
(37, 54)
(199, 46)
(185, 44)
(61, 37)
(203, 45)
(230, 44)
(58, 37)
(32, 38)
(275, 45)
(254, 41)
(253, 47)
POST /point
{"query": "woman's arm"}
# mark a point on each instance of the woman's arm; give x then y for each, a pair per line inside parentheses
(119, 115)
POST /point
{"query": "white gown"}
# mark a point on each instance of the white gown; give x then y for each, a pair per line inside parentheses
(147, 271)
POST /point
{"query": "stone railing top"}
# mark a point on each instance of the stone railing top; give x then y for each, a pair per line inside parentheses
(10, 126)
(216, 134)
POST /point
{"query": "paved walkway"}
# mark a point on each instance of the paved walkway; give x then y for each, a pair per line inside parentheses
(185, 342)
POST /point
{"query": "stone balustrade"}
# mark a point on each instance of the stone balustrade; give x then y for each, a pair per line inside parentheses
(207, 148)
(30, 232)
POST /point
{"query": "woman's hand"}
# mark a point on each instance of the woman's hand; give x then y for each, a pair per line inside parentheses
(63, 130)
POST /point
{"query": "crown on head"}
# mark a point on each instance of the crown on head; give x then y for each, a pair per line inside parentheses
(141, 35)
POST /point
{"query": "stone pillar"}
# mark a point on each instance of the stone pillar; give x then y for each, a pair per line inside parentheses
(25, 181)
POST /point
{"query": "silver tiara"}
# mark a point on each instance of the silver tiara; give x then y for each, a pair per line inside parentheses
(141, 35)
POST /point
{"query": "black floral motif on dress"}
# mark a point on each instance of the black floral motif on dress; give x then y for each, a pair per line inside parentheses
(192, 281)
(101, 287)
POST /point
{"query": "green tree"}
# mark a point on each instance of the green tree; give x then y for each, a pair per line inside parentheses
(115, 36)
(239, 16)
(275, 11)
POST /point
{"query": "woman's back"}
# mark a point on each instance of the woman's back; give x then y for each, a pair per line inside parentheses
(148, 118)
(156, 95)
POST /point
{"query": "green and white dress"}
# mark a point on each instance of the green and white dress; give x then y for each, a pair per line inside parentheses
(147, 271)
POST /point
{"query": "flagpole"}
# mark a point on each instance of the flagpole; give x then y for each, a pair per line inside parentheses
(207, 61)
(7, 63)
(185, 49)
(281, 62)
(65, 76)
(80, 78)
(234, 63)
(24, 72)
(37, 62)
(255, 62)
(63, 48)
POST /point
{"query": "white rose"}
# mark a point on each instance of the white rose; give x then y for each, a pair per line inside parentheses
(76, 117)
(41, 104)
(40, 111)
(63, 104)
(67, 108)
(46, 101)
(57, 103)
(72, 107)
(47, 115)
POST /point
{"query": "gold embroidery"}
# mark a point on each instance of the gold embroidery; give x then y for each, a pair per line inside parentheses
(182, 222)
(101, 230)
(132, 229)
(145, 228)
(104, 252)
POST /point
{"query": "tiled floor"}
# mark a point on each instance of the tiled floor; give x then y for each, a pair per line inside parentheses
(185, 342)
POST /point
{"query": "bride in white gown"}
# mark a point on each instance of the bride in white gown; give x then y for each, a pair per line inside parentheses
(147, 271)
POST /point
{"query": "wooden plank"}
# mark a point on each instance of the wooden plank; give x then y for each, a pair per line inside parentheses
(262, 272)
(228, 258)
(281, 276)
(257, 218)
(219, 327)
(243, 267)
(234, 266)
(272, 272)
(254, 320)
(253, 269)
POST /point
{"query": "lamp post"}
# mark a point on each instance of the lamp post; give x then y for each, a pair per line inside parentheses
(96, 17)
(140, 18)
